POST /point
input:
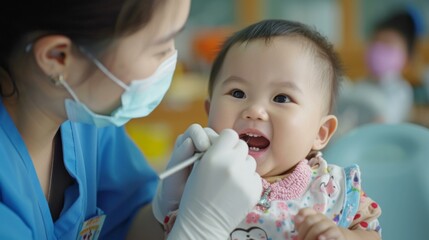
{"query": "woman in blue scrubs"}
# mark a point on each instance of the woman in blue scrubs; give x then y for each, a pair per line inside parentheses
(71, 74)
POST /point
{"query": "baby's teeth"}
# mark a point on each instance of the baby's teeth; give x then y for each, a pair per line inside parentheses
(254, 149)
(252, 135)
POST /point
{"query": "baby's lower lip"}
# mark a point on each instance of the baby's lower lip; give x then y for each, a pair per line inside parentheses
(257, 154)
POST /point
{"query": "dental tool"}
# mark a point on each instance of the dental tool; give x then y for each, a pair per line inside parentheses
(180, 166)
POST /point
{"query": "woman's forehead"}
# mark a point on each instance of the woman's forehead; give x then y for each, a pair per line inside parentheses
(168, 20)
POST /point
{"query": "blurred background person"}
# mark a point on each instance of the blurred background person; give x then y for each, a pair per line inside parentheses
(384, 96)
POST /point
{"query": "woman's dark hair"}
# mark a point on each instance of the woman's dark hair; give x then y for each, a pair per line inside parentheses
(86, 22)
(266, 30)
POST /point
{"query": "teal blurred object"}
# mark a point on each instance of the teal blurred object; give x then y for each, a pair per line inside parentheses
(394, 161)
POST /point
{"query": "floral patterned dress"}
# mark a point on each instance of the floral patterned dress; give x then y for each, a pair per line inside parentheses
(329, 189)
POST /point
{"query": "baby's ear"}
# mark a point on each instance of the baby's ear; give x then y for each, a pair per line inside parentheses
(328, 126)
(207, 106)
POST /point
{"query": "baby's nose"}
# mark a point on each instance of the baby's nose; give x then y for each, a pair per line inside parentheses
(255, 112)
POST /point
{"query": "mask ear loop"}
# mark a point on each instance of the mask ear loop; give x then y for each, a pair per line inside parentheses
(61, 81)
(103, 68)
(56, 80)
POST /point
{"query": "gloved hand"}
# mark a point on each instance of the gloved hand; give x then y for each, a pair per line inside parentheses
(222, 188)
(170, 189)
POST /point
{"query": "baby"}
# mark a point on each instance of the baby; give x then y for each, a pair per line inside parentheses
(275, 83)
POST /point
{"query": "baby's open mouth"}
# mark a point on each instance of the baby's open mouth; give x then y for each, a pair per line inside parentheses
(255, 142)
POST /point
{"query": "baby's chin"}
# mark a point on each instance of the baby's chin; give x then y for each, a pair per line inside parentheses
(273, 171)
(264, 172)
(265, 168)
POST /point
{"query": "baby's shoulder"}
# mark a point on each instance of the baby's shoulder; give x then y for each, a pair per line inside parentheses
(338, 188)
(320, 166)
(344, 178)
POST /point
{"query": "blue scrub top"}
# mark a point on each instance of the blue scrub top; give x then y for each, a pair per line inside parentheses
(111, 176)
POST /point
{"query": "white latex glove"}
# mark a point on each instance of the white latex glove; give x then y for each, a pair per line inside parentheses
(169, 192)
(222, 188)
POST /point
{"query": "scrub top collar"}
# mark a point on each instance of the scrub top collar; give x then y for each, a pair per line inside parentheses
(71, 155)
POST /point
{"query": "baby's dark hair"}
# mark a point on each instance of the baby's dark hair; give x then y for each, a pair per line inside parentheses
(268, 29)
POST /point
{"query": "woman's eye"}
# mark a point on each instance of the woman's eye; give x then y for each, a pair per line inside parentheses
(238, 93)
(163, 53)
(281, 99)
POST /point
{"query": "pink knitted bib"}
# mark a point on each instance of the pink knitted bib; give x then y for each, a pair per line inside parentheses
(290, 187)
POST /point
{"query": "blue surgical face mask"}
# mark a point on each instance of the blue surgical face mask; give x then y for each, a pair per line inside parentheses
(139, 99)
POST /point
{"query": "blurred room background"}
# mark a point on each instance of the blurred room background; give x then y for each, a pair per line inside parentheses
(346, 23)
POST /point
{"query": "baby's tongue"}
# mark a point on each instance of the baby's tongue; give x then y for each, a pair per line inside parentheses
(258, 142)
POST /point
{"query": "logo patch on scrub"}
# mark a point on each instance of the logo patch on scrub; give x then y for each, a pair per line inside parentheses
(91, 228)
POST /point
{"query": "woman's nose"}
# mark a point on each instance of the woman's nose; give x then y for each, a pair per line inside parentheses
(255, 112)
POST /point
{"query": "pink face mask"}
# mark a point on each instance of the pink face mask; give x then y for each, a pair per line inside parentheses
(384, 60)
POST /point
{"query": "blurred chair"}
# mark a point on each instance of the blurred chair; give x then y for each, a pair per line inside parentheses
(358, 104)
(394, 160)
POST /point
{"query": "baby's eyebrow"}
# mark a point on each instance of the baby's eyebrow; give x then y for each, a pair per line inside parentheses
(288, 84)
(232, 79)
(279, 84)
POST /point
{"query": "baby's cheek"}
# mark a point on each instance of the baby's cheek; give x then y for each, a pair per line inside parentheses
(216, 126)
(221, 122)
(214, 123)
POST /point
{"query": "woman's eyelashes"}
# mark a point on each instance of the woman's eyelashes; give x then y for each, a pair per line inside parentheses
(164, 53)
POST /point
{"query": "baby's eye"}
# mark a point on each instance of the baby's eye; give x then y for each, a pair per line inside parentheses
(237, 93)
(281, 98)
